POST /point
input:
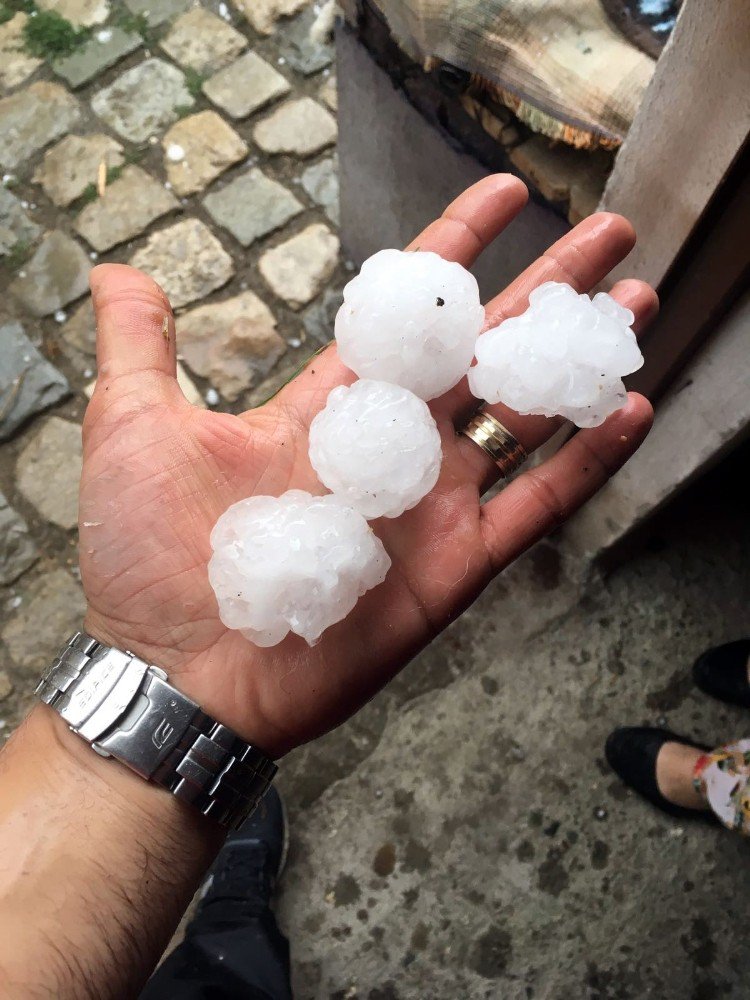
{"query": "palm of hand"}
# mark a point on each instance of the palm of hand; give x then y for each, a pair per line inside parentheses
(159, 472)
(157, 477)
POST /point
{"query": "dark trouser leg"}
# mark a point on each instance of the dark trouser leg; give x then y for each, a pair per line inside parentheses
(228, 954)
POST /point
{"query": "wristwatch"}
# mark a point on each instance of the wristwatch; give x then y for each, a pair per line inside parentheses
(126, 709)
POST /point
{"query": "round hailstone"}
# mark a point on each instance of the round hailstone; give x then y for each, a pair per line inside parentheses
(411, 319)
(377, 447)
(565, 356)
(294, 563)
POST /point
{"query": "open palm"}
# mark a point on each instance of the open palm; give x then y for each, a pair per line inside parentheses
(159, 472)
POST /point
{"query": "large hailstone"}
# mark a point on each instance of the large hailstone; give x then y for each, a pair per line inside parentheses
(565, 356)
(377, 447)
(294, 563)
(411, 319)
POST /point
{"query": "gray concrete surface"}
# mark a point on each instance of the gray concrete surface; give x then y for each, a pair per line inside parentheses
(476, 845)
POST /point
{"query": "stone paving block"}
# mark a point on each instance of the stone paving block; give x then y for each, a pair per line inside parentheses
(129, 205)
(143, 99)
(15, 225)
(15, 64)
(321, 182)
(83, 13)
(198, 149)
(301, 47)
(319, 318)
(231, 343)
(105, 48)
(186, 260)
(28, 382)
(252, 205)
(57, 274)
(48, 471)
(202, 41)
(301, 127)
(77, 337)
(245, 85)
(263, 14)
(52, 609)
(32, 118)
(17, 548)
(328, 93)
(72, 165)
(6, 685)
(297, 269)
(158, 11)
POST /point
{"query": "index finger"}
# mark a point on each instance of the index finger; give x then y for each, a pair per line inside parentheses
(466, 227)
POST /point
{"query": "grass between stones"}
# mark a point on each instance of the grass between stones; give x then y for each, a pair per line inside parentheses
(49, 36)
(193, 81)
(18, 254)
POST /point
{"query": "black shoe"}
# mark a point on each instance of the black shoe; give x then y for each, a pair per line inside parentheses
(722, 672)
(250, 862)
(632, 752)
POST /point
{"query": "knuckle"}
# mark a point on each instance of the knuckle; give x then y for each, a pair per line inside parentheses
(553, 505)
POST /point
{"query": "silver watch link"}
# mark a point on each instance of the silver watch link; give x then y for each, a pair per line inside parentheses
(126, 709)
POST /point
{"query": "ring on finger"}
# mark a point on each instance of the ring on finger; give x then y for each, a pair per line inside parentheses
(505, 450)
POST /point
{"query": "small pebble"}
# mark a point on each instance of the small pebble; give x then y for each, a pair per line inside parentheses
(212, 397)
(175, 152)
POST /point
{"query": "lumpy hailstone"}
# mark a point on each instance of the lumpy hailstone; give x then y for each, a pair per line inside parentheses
(377, 447)
(411, 319)
(565, 356)
(294, 563)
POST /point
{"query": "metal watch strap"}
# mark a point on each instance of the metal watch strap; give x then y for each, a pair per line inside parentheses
(125, 708)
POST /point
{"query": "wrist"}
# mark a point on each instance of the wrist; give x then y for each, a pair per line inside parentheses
(68, 761)
(202, 671)
(86, 838)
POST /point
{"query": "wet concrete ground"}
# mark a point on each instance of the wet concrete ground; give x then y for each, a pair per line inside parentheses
(464, 838)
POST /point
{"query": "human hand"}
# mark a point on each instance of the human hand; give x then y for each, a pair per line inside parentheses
(158, 472)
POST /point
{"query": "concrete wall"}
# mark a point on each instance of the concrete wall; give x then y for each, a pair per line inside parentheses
(702, 417)
(397, 173)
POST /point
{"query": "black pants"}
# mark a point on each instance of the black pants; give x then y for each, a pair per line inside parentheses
(229, 953)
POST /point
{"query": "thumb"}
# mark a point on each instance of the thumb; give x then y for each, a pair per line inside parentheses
(135, 332)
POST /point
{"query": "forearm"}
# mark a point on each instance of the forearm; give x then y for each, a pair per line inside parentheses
(96, 867)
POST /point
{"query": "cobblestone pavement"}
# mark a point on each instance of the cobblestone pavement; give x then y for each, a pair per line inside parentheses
(213, 129)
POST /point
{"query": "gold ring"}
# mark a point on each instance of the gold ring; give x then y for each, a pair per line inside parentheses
(504, 449)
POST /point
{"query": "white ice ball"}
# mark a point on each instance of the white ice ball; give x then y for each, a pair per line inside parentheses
(565, 356)
(294, 563)
(411, 319)
(377, 447)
